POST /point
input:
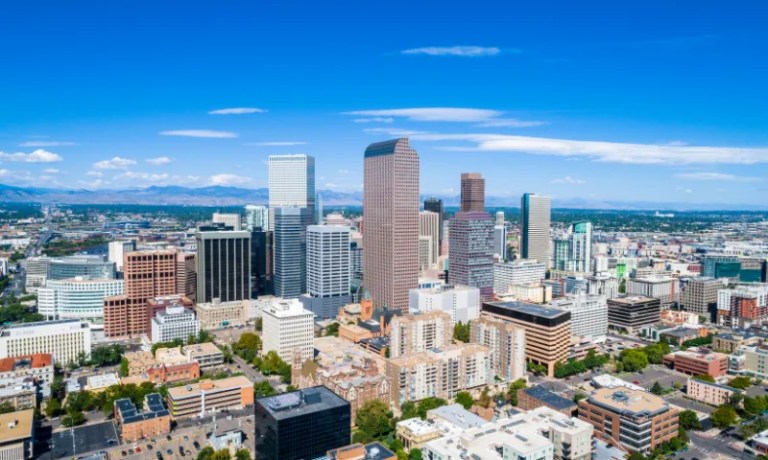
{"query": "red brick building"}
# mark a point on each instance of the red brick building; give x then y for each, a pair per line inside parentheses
(698, 361)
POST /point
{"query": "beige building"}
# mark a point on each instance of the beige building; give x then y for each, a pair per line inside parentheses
(729, 343)
(17, 435)
(417, 333)
(700, 295)
(532, 291)
(429, 233)
(209, 396)
(217, 314)
(710, 393)
(506, 341)
(206, 354)
(65, 339)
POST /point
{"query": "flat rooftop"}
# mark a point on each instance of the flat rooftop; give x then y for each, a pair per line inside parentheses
(530, 308)
(194, 389)
(549, 398)
(457, 415)
(625, 399)
(16, 425)
(301, 402)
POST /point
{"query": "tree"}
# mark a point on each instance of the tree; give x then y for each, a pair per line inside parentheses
(374, 420)
(6, 407)
(408, 410)
(518, 384)
(73, 418)
(636, 455)
(271, 364)
(415, 454)
(485, 398)
(724, 416)
(688, 420)
(242, 454)
(578, 397)
(258, 324)
(262, 389)
(705, 378)
(332, 330)
(248, 346)
(465, 399)
(754, 406)
(426, 405)
(634, 360)
(461, 332)
(741, 383)
(124, 367)
(657, 389)
(53, 408)
(206, 453)
(222, 454)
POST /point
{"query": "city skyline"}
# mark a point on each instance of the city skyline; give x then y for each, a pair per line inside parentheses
(584, 104)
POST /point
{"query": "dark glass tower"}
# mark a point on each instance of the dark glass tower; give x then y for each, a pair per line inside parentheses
(290, 248)
(223, 266)
(436, 205)
(261, 262)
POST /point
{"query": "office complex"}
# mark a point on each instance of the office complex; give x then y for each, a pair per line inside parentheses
(290, 251)
(174, 323)
(229, 220)
(301, 425)
(210, 396)
(291, 184)
(77, 298)
(262, 263)
(288, 326)
(256, 218)
(429, 231)
(64, 339)
(461, 302)
(634, 419)
(547, 330)
(472, 192)
(328, 272)
(633, 312)
(436, 205)
(589, 315)
(42, 269)
(506, 343)
(217, 314)
(604, 285)
(417, 333)
(515, 272)
(580, 247)
(664, 288)
(700, 295)
(223, 265)
(117, 250)
(742, 269)
(742, 305)
(534, 232)
(391, 222)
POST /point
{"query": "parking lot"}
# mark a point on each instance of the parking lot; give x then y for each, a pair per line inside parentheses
(76, 441)
(652, 374)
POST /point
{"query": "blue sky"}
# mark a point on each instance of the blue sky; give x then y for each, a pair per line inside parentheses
(661, 102)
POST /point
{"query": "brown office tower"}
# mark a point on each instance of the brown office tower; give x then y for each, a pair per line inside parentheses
(391, 216)
(186, 275)
(472, 192)
(147, 274)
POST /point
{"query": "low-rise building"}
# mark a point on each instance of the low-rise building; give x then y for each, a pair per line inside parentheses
(17, 435)
(538, 396)
(206, 354)
(19, 395)
(99, 383)
(632, 313)
(729, 343)
(209, 396)
(38, 366)
(139, 362)
(155, 420)
(698, 361)
(173, 374)
(217, 314)
(710, 393)
(66, 340)
(174, 323)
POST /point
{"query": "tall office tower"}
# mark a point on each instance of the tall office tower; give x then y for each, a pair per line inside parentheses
(228, 219)
(580, 246)
(500, 218)
(147, 274)
(223, 266)
(327, 270)
(256, 217)
(561, 254)
(262, 262)
(186, 275)
(290, 251)
(534, 242)
(117, 250)
(500, 241)
(472, 192)
(436, 205)
(391, 217)
(291, 183)
(471, 236)
(700, 295)
(319, 209)
(429, 226)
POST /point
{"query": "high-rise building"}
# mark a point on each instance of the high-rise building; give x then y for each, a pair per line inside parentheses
(301, 425)
(664, 288)
(391, 222)
(589, 315)
(186, 275)
(262, 262)
(742, 305)
(633, 312)
(580, 247)
(417, 333)
(506, 342)
(534, 234)
(471, 237)
(429, 226)
(515, 272)
(500, 218)
(291, 183)
(228, 219)
(256, 218)
(604, 285)
(290, 251)
(288, 326)
(436, 205)
(223, 265)
(700, 295)
(65, 339)
(116, 251)
(461, 302)
(79, 298)
(328, 273)
(500, 242)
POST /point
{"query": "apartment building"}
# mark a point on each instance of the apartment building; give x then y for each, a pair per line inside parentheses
(461, 302)
(155, 420)
(518, 271)
(700, 295)
(208, 396)
(589, 315)
(506, 341)
(64, 339)
(38, 366)
(417, 333)
(286, 326)
(710, 393)
(743, 305)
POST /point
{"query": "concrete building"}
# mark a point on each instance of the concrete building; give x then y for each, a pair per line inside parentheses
(533, 292)
(174, 323)
(636, 420)
(580, 247)
(41, 269)
(155, 420)
(514, 272)
(743, 305)
(664, 288)
(429, 230)
(116, 251)
(217, 314)
(186, 275)
(461, 302)
(535, 226)
(436, 205)
(538, 396)
(755, 361)
(700, 295)
(328, 271)
(77, 298)
(209, 396)
(730, 343)
(223, 265)
(589, 315)
(698, 361)
(547, 330)
(38, 366)
(228, 219)
(290, 251)
(288, 326)
(506, 342)
(391, 222)
(207, 355)
(262, 263)
(604, 285)
(256, 218)
(17, 435)
(65, 339)
(632, 313)
(411, 334)
(710, 393)
(372, 451)
(500, 242)
(291, 184)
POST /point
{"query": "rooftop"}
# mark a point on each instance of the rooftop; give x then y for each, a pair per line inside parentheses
(154, 409)
(531, 309)
(624, 400)
(16, 425)
(301, 402)
(549, 398)
(194, 389)
(102, 381)
(61, 325)
(632, 300)
(201, 348)
(702, 354)
(35, 361)
(458, 416)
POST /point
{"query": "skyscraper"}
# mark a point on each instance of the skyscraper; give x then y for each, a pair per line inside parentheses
(228, 219)
(328, 273)
(262, 263)
(391, 222)
(291, 183)
(436, 205)
(256, 217)
(290, 249)
(223, 266)
(471, 237)
(581, 246)
(429, 227)
(534, 242)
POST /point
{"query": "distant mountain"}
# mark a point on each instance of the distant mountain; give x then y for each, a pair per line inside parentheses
(234, 196)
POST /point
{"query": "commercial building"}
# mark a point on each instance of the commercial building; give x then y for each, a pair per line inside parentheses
(290, 251)
(589, 315)
(65, 339)
(391, 222)
(228, 219)
(547, 330)
(209, 396)
(580, 247)
(207, 355)
(632, 313)
(288, 326)
(262, 263)
(506, 343)
(710, 393)
(77, 298)
(217, 314)
(698, 361)
(743, 305)
(534, 232)
(186, 275)
(256, 218)
(417, 333)
(175, 323)
(155, 420)
(755, 362)
(461, 302)
(328, 270)
(99, 383)
(729, 343)
(42, 269)
(116, 251)
(436, 205)
(538, 396)
(301, 425)
(429, 231)
(634, 419)
(664, 288)
(372, 451)
(17, 435)
(223, 265)
(291, 183)
(604, 285)
(700, 295)
(38, 366)
(515, 272)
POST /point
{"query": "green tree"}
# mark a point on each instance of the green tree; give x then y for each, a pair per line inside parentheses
(53, 408)
(332, 330)
(465, 399)
(248, 346)
(262, 389)
(578, 397)
(6, 407)
(636, 455)
(258, 324)
(222, 454)
(426, 405)
(754, 406)
(73, 418)
(242, 454)
(461, 332)
(657, 389)
(206, 453)
(741, 383)
(272, 364)
(688, 420)
(124, 367)
(415, 454)
(408, 410)
(705, 378)
(518, 384)
(634, 360)
(374, 420)
(724, 416)
(485, 398)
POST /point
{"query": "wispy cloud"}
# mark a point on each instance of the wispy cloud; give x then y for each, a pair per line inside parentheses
(51, 171)
(94, 173)
(277, 143)
(510, 123)
(568, 180)
(236, 111)
(159, 161)
(715, 176)
(343, 171)
(207, 133)
(114, 163)
(45, 144)
(143, 177)
(374, 120)
(459, 51)
(229, 179)
(483, 117)
(38, 156)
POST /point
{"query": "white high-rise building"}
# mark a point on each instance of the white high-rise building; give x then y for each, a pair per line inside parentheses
(288, 326)
(534, 233)
(291, 182)
(602, 284)
(117, 250)
(514, 272)
(79, 298)
(461, 302)
(228, 219)
(328, 272)
(429, 226)
(65, 339)
(425, 252)
(256, 217)
(580, 259)
(500, 242)
(175, 322)
(664, 288)
(589, 315)
(500, 218)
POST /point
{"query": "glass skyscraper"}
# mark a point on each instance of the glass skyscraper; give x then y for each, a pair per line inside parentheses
(534, 234)
(290, 248)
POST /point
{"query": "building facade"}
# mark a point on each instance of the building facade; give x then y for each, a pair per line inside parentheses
(288, 326)
(223, 265)
(228, 219)
(664, 288)
(328, 270)
(506, 343)
(77, 298)
(461, 302)
(291, 183)
(514, 272)
(216, 314)
(436, 205)
(417, 333)
(175, 323)
(210, 396)
(429, 231)
(290, 251)
(64, 339)
(534, 232)
(632, 313)
(589, 315)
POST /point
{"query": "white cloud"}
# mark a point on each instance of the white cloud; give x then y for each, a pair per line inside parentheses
(94, 184)
(50, 171)
(461, 51)
(374, 120)
(343, 171)
(45, 144)
(143, 177)
(94, 174)
(277, 143)
(236, 111)
(159, 161)
(229, 179)
(432, 114)
(38, 156)
(510, 123)
(568, 180)
(114, 163)
(4, 172)
(714, 176)
(684, 190)
(207, 133)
